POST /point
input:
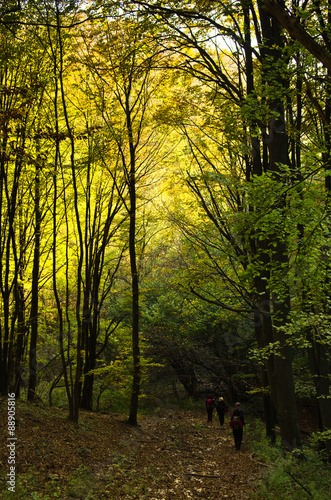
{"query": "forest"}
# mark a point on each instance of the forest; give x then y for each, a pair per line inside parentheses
(165, 211)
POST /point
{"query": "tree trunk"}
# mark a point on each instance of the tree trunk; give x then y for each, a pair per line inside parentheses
(135, 301)
(136, 375)
(281, 377)
(35, 291)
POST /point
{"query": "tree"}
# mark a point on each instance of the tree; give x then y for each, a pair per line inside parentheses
(122, 66)
(85, 217)
(308, 24)
(189, 25)
(20, 100)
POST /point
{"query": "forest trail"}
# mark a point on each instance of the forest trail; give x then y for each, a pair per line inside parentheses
(170, 455)
(196, 459)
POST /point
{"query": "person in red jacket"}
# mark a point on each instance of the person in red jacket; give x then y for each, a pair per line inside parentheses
(210, 405)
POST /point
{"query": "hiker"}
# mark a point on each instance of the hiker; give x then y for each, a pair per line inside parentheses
(210, 405)
(242, 415)
(221, 409)
(237, 423)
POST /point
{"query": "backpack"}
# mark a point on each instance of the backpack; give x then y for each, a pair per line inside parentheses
(210, 403)
(236, 422)
(221, 407)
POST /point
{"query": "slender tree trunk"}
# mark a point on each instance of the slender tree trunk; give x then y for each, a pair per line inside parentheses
(57, 162)
(35, 290)
(21, 337)
(74, 410)
(20, 297)
(134, 281)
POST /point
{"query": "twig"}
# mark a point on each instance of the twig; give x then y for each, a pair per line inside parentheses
(207, 475)
(300, 484)
(256, 462)
(189, 445)
(147, 440)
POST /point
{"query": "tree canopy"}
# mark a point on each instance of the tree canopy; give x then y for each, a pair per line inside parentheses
(165, 204)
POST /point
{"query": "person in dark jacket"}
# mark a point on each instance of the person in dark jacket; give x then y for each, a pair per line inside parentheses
(210, 405)
(237, 423)
(242, 415)
(221, 409)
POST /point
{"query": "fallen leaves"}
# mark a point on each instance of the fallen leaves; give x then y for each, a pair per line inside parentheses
(172, 456)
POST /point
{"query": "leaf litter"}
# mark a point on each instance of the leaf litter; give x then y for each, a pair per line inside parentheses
(173, 455)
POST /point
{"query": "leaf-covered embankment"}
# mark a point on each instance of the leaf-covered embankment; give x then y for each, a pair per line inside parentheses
(170, 455)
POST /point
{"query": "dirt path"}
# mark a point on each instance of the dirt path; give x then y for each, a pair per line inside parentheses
(194, 460)
(173, 455)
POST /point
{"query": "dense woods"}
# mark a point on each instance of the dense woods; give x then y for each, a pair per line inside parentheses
(165, 205)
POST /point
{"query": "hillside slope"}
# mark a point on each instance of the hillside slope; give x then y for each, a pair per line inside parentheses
(172, 455)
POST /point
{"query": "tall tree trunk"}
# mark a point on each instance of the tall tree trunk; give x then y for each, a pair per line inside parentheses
(134, 277)
(263, 325)
(74, 409)
(35, 289)
(281, 379)
(319, 350)
(66, 361)
(19, 314)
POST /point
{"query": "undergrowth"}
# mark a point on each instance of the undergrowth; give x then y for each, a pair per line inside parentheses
(288, 476)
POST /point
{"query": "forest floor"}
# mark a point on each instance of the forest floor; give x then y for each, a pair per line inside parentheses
(171, 455)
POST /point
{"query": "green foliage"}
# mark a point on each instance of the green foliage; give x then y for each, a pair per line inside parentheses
(26, 487)
(219, 225)
(82, 484)
(289, 476)
(260, 444)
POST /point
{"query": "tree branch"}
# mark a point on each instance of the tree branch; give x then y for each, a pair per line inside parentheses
(297, 31)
